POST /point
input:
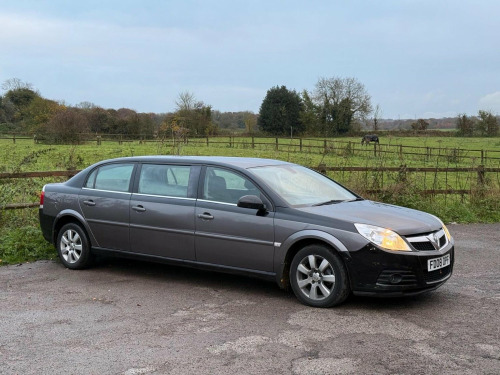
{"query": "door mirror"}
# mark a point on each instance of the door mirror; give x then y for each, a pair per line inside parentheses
(251, 201)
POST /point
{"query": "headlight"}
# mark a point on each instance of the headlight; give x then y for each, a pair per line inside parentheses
(446, 231)
(382, 237)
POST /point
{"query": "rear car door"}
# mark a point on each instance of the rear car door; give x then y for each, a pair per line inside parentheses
(162, 211)
(227, 234)
(104, 201)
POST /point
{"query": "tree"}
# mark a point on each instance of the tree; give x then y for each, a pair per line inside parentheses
(487, 125)
(341, 101)
(310, 115)
(420, 125)
(16, 84)
(465, 125)
(377, 114)
(280, 112)
(38, 113)
(193, 115)
(250, 120)
(66, 125)
(186, 101)
(21, 97)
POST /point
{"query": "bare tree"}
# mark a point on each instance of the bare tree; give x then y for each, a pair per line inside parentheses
(16, 84)
(377, 114)
(186, 101)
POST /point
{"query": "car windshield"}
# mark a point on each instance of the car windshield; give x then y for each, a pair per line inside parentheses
(300, 186)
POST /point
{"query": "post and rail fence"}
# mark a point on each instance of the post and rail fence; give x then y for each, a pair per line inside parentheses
(402, 170)
(318, 145)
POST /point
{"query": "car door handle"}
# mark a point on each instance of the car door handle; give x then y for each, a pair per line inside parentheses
(138, 208)
(206, 216)
(89, 202)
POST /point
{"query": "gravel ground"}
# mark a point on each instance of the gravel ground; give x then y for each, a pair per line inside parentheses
(124, 317)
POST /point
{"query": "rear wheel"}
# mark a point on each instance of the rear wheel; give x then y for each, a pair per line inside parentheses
(318, 277)
(73, 247)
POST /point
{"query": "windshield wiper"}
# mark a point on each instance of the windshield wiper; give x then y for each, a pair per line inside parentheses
(332, 201)
(355, 200)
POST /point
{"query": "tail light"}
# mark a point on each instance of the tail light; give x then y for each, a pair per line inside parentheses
(42, 197)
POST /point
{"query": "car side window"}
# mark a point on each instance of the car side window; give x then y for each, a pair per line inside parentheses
(112, 177)
(91, 179)
(166, 180)
(222, 185)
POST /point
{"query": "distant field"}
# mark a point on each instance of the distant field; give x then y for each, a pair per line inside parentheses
(24, 155)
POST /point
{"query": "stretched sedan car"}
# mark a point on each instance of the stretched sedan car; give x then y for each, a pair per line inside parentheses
(266, 218)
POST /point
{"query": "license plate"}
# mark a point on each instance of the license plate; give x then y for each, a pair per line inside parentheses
(437, 263)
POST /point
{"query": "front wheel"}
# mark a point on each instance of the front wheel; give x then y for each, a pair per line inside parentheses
(318, 277)
(73, 247)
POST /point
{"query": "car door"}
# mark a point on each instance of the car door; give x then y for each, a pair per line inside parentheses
(227, 234)
(162, 211)
(104, 201)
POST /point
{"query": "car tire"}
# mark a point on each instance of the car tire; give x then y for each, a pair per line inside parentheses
(73, 247)
(318, 277)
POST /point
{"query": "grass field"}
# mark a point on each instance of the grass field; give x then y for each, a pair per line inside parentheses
(21, 238)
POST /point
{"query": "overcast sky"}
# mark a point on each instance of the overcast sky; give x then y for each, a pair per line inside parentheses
(416, 58)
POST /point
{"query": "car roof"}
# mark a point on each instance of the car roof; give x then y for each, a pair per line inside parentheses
(239, 162)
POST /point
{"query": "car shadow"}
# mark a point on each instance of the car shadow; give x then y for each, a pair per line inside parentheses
(251, 285)
(189, 276)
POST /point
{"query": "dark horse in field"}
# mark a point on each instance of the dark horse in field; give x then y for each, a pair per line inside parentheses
(369, 138)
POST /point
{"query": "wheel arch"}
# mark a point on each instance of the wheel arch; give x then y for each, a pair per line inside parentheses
(299, 240)
(70, 216)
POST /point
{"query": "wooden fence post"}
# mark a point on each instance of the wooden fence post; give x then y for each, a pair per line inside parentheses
(300, 144)
(324, 146)
(402, 173)
(207, 142)
(480, 175)
(253, 142)
(322, 168)
(374, 148)
(14, 137)
(400, 151)
(276, 144)
(482, 157)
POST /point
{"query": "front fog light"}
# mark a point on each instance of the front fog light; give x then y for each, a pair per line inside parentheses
(382, 237)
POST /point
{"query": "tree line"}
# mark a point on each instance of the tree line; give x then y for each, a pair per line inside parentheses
(485, 124)
(336, 106)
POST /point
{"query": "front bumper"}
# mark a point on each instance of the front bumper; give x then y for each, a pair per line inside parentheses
(377, 272)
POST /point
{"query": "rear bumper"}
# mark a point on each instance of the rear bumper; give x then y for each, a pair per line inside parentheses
(46, 225)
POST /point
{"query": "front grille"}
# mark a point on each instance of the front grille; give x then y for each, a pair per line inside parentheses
(422, 246)
(442, 241)
(408, 278)
(428, 241)
(433, 276)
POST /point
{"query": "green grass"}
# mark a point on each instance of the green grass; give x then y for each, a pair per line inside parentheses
(21, 238)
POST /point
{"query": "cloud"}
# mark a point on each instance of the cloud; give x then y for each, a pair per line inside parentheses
(490, 102)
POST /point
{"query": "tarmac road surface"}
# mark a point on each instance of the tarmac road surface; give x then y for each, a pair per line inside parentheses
(124, 317)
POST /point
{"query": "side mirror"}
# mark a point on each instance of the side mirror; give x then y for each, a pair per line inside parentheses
(252, 202)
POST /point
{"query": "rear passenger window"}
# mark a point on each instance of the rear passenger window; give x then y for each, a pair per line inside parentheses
(165, 180)
(113, 177)
(91, 179)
